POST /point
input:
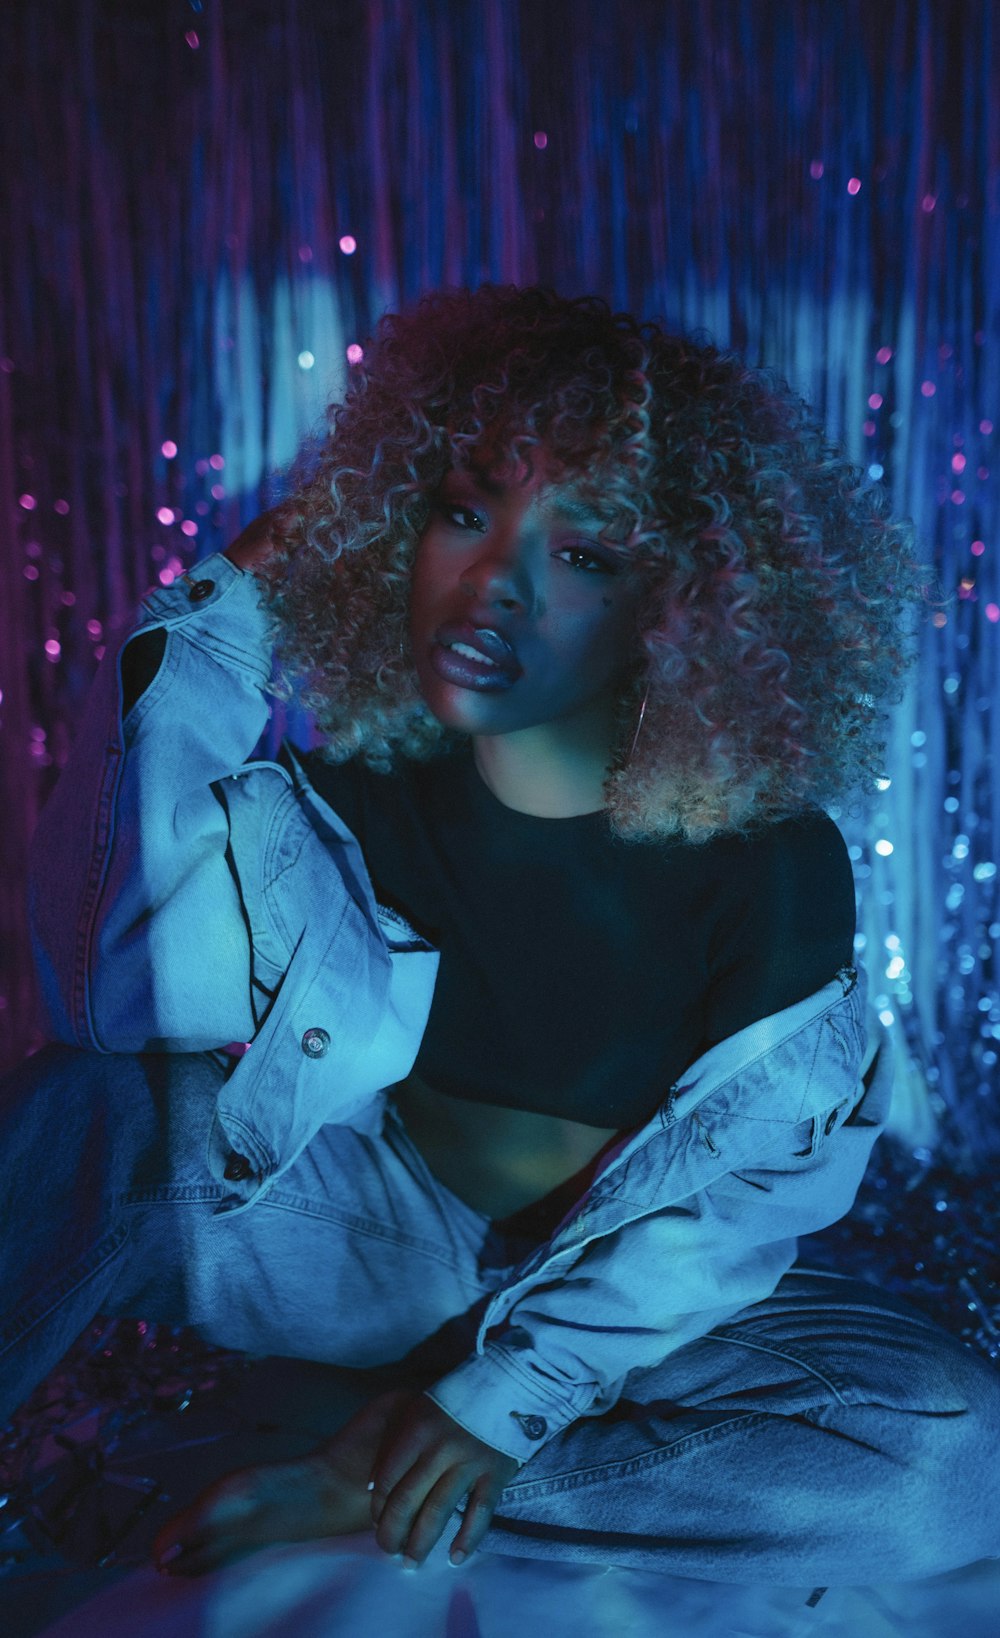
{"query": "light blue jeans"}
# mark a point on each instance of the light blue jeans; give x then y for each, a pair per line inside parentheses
(830, 1435)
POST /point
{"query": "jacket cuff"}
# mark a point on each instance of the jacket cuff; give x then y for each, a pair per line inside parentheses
(496, 1400)
(194, 597)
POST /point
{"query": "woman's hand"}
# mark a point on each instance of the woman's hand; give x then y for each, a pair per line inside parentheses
(426, 1463)
(254, 543)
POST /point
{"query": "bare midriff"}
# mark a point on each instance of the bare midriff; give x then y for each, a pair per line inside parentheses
(497, 1160)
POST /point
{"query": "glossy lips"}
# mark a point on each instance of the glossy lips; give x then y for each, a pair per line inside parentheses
(455, 667)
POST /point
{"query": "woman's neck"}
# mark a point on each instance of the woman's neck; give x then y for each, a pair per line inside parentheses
(526, 772)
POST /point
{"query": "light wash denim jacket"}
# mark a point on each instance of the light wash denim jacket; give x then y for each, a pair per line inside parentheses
(184, 899)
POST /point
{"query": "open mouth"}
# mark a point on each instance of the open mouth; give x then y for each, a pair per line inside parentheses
(474, 655)
(460, 663)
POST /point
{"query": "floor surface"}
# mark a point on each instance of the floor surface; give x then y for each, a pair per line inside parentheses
(349, 1588)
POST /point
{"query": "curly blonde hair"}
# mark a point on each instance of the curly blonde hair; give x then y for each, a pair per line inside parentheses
(771, 631)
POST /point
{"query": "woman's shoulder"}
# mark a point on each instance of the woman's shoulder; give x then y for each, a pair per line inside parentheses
(786, 919)
(780, 863)
(809, 832)
(796, 861)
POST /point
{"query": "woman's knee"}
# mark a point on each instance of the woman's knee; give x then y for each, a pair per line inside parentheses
(942, 1498)
(115, 1120)
(961, 1454)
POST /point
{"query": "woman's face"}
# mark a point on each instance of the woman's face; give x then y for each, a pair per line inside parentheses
(518, 560)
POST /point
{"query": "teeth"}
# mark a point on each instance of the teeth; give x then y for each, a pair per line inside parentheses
(473, 653)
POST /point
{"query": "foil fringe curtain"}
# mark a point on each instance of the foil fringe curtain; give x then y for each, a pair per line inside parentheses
(810, 182)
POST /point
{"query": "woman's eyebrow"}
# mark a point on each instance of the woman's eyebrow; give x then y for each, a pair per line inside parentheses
(568, 504)
(577, 509)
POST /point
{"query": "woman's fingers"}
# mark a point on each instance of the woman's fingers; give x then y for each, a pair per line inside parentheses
(476, 1521)
(397, 1511)
(437, 1509)
(426, 1463)
(420, 1505)
(397, 1495)
(254, 543)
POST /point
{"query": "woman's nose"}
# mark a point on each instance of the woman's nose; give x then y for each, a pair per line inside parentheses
(500, 576)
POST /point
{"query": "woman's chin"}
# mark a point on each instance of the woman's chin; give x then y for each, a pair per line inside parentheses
(465, 709)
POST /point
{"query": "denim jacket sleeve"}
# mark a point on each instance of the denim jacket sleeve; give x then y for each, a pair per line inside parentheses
(185, 897)
(139, 933)
(697, 1219)
(172, 881)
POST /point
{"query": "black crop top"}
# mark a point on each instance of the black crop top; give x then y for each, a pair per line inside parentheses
(580, 975)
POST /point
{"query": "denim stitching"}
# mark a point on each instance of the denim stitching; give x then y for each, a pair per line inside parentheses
(766, 1052)
(375, 1231)
(508, 1363)
(271, 897)
(809, 1077)
(627, 1466)
(779, 1353)
(170, 1194)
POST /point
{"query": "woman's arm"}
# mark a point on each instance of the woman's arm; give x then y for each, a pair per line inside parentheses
(142, 658)
(720, 1196)
(139, 924)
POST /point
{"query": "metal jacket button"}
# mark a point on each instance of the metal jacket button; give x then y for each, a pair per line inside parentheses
(315, 1043)
(533, 1427)
(238, 1168)
(200, 589)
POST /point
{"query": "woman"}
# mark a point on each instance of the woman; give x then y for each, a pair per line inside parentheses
(593, 620)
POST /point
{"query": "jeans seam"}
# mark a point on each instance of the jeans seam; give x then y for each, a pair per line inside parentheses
(625, 1467)
(172, 1194)
(378, 1231)
(780, 1353)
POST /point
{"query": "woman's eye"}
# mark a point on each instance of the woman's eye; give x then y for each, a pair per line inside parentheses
(450, 512)
(593, 560)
